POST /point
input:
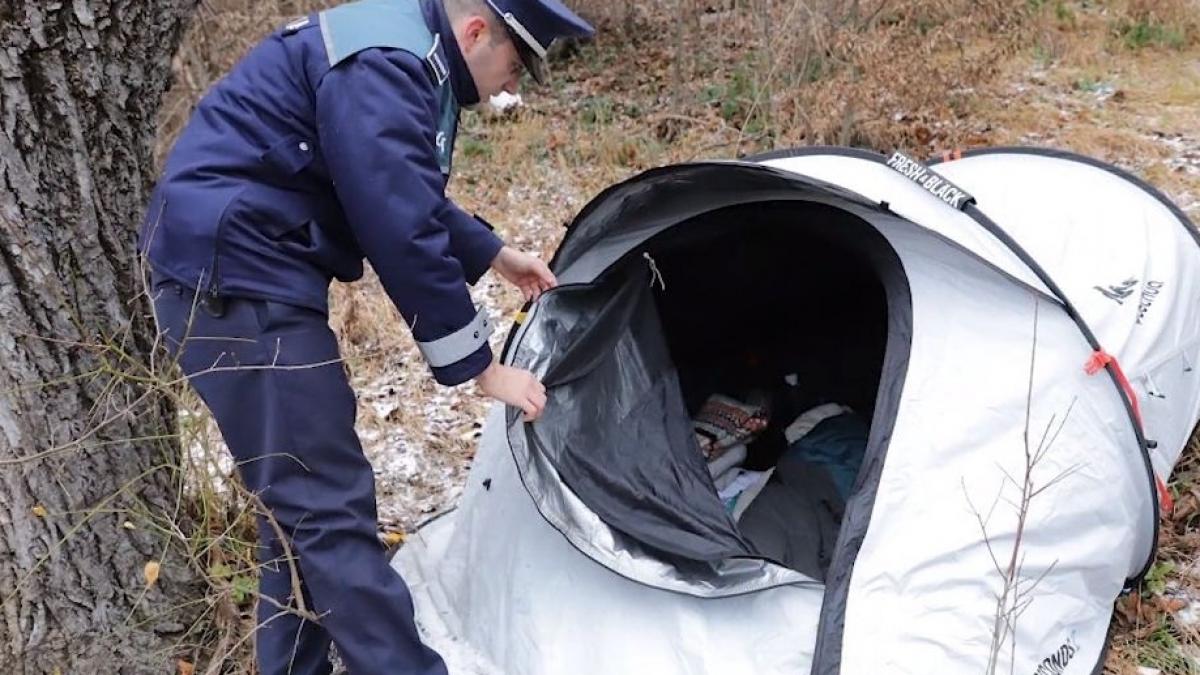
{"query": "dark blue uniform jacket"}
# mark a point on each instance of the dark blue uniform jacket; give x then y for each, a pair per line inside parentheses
(292, 170)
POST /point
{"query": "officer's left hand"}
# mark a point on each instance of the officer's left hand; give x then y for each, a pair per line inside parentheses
(524, 271)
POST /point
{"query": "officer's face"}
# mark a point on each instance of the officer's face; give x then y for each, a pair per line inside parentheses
(491, 57)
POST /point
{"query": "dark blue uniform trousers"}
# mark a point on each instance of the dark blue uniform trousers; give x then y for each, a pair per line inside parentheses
(271, 375)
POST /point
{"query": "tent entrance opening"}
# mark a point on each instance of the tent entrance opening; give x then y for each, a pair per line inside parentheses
(776, 322)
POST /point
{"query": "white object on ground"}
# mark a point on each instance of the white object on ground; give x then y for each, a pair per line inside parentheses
(505, 100)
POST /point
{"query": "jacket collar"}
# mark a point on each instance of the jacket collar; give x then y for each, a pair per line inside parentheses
(461, 81)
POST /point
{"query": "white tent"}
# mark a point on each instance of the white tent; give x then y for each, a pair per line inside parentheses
(967, 308)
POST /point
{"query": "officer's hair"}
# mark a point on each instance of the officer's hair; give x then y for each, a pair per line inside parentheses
(460, 8)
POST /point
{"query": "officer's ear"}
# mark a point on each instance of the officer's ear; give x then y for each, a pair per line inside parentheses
(473, 30)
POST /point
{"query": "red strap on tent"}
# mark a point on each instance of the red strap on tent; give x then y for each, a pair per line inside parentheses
(1165, 500)
(1097, 362)
(1101, 359)
(951, 155)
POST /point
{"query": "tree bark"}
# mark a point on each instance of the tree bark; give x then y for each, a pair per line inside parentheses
(80, 85)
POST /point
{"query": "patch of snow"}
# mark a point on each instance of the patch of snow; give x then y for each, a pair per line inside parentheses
(1185, 152)
(1189, 615)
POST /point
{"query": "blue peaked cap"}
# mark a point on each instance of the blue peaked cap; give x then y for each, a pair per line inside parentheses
(535, 24)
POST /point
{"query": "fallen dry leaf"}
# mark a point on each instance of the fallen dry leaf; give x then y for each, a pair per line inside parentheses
(151, 572)
(1171, 605)
(40, 511)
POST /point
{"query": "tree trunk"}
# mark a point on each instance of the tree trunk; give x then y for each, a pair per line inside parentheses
(80, 86)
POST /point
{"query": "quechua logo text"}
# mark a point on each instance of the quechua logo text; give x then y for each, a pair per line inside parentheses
(1057, 662)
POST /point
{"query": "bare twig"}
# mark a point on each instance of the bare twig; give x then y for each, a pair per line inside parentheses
(1017, 592)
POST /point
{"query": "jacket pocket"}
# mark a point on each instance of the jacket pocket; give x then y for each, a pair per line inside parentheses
(278, 214)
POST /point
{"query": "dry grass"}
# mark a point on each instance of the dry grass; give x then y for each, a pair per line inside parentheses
(1118, 80)
(1149, 627)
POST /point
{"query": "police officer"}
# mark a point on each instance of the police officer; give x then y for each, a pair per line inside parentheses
(330, 142)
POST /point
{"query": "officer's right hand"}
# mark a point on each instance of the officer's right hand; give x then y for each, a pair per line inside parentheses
(515, 387)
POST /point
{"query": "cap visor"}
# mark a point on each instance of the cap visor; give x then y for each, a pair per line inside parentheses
(535, 65)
